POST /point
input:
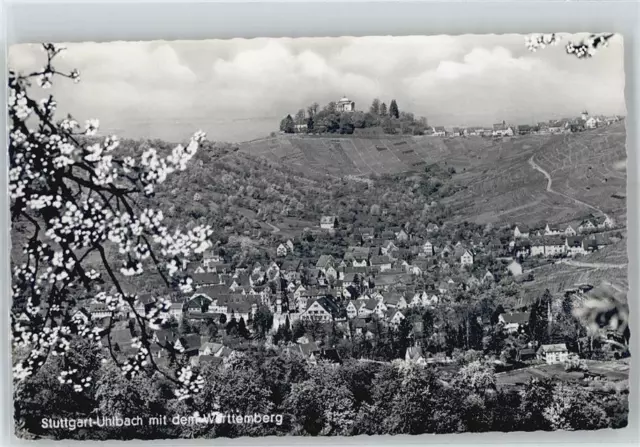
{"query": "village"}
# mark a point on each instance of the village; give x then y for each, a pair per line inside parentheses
(382, 282)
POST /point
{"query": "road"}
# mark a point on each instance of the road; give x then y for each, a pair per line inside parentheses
(601, 265)
(274, 229)
(537, 167)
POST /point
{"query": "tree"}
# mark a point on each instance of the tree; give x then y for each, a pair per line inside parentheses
(287, 125)
(375, 107)
(262, 321)
(300, 117)
(539, 325)
(76, 192)
(242, 329)
(393, 109)
(313, 109)
(383, 109)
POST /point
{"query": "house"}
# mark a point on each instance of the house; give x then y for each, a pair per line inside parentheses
(321, 309)
(432, 227)
(574, 245)
(466, 258)
(188, 344)
(439, 131)
(556, 127)
(569, 231)
(591, 123)
(300, 128)
(520, 231)
(381, 263)
(388, 248)
(515, 268)
(99, 311)
(210, 348)
(524, 129)
(328, 222)
(543, 128)
(289, 245)
(427, 248)
(526, 354)
(281, 250)
(345, 105)
(394, 317)
(553, 353)
(456, 132)
(603, 223)
(366, 233)
(352, 308)
(488, 277)
(586, 226)
(554, 246)
(402, 236)
(514, 321)
(552, 230)
(325, 261)
(367, 308)
(502, 130)
(414, 355)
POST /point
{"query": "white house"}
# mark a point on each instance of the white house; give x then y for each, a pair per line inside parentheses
(328, 222)
(395, 317)
(591, 123)
(466, 258)
(514, 321)
(502, 130)
(281, 250)
(345, 105)
(575, 246)
(352, 308)
(569, 231)
(552, 230)
(427, 248)
(586, 225)
(555, 353)
(520, 231)
(321, 309)
(439, 131)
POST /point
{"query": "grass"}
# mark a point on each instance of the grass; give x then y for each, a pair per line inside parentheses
(497, 183)
(613, 370)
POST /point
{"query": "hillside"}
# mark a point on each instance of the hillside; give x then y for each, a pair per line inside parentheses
(498, 180)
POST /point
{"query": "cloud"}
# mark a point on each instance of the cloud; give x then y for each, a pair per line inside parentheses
(170, 89)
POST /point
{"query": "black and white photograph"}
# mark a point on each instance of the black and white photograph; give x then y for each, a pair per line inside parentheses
(318, 236)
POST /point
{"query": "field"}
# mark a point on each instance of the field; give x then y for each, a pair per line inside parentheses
(589, 166)
(613, 371)
(558, 277)
(503, 180)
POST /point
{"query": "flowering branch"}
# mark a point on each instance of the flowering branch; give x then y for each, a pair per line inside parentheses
(79, 198)
(584, 49)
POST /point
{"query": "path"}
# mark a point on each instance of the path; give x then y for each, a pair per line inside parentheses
(274, 229)
(537, 167)
(600, 265)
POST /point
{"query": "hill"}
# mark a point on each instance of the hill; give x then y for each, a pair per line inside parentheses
(526, 179)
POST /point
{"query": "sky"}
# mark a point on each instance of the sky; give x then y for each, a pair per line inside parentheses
(239, 89)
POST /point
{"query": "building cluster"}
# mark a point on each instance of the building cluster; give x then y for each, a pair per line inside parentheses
(503, 129)
(562, 240)
(374, 283)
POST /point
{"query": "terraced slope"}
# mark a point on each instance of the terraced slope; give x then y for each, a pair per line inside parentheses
(363, 156)
(590, 167)
(500, 180)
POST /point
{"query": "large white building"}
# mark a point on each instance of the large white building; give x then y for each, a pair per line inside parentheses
(345, 105)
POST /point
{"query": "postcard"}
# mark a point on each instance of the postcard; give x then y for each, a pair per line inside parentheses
(330, 236)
